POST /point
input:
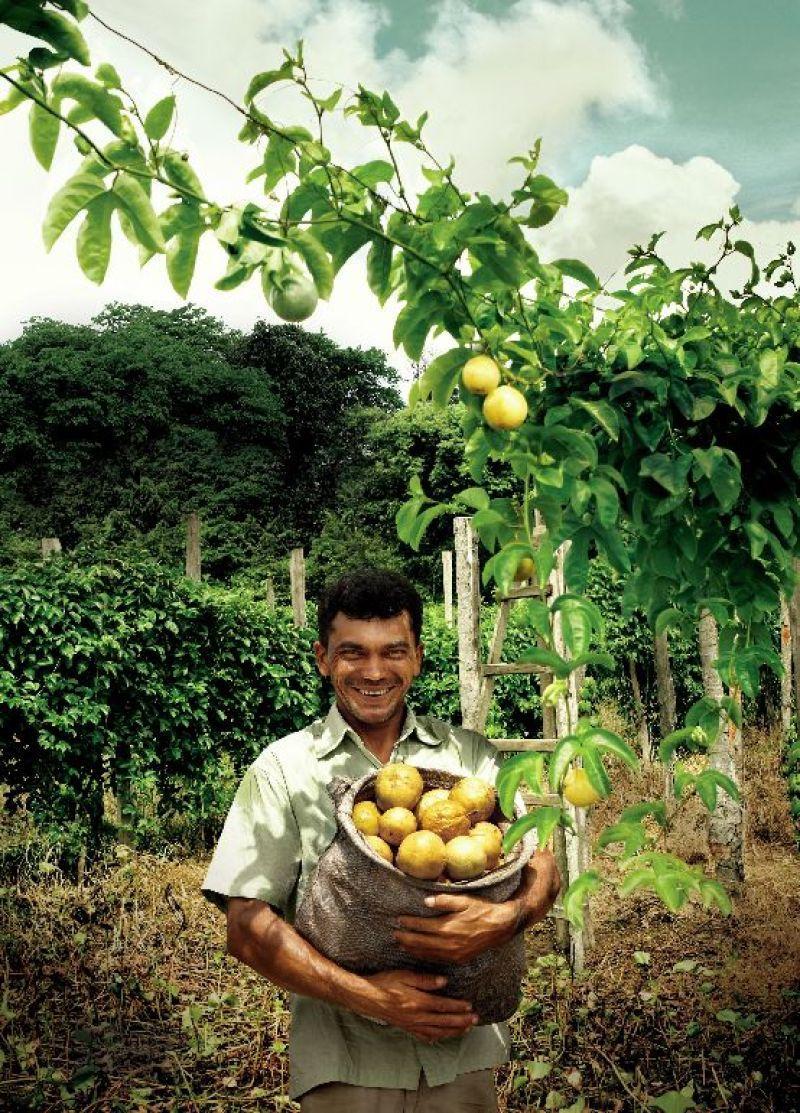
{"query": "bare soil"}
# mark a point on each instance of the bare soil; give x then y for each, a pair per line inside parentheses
(118, 994)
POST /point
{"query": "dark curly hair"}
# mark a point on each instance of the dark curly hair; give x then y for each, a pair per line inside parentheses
(369, 593)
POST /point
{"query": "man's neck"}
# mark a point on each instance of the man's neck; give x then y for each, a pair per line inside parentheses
(379, 738)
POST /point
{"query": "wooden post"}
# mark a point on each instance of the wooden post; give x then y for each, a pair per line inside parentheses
(297, 577)
(193, 566)
(270, 594)
(642, 729)
(726, 822)
(50, 546)
(469, 621)
(667, 704)
(447, 579)
(578, 848)
(794, 619)
(786, 661)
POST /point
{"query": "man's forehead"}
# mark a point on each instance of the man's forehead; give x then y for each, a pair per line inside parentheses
(397, 628)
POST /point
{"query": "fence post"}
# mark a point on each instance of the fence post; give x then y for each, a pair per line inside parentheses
(270, 593)
(193, 564)
(786, 661)
(794, 619)
(297, 577)
(447, 579)
(50, 546)
(469, 620)
(667, 706)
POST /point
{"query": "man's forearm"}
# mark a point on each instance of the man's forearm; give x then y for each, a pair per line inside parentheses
(265, 942)
(537, 893)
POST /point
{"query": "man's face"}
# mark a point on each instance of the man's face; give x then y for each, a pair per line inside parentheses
(371, 663)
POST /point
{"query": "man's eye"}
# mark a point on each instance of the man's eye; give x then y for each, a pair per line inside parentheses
(398, 653)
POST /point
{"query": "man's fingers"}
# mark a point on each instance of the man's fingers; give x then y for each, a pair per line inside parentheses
(445, 902)
(425, 925)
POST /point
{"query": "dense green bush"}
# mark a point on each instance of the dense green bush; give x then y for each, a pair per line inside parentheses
(117, 677)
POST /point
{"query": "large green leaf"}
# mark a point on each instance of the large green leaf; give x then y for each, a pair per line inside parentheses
(668, 471)
(93, 97)
(574, 268)
(605, 415)
(578, 893)
(44, 129)
(379, 268)
(441, 376)
(159, 118)
(135, 203)
(543, 820)
(316, 259)
(65, 205)
(53, 27)
(94, 237)
(182, 233)
(525, 766)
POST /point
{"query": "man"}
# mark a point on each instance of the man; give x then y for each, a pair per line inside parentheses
(392, 1041)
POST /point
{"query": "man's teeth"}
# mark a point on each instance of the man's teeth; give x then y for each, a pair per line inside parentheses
(373, 691)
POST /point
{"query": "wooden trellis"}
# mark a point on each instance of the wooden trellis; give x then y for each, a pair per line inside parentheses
(476, 684)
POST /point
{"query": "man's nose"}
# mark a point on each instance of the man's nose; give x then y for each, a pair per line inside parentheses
(372, 667)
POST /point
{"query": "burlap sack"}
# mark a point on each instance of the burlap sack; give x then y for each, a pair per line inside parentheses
(349, 909)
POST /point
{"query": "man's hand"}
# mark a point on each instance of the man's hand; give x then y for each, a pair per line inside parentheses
(406, 1000)
(469, 926)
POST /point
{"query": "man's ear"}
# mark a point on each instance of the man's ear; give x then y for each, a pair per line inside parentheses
(321, 654)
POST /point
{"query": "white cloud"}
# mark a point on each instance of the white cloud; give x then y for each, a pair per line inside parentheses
(629, 195)
(493, 85)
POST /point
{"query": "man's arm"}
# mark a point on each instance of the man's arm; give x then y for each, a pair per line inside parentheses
(470, 926)
(403, 998)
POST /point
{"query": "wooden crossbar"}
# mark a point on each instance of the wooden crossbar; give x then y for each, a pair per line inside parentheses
(528, 591)
(512, 668)
(515, 745)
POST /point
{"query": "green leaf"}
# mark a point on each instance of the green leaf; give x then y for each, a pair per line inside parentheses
(671, 742)
(579, 619)
(604, 414)
(93, 97)
(94, 238)
(474, 497)
(182, 234)
(316, 259)
(608, 740)
(263, 80)
(379, 269)
(65, 205)
(371, 173)
(108, 76)
(713, 893)
(721, 468)
(577, 895)
(440, 377)
(44, 129)
(54, 28)
(159, 118)
(548, 659)
(180, 173)
(670, 616)
(676, 1101)
(574, 268)
(565, 750)
(593, 765)
(406, 517)
(670, 472)
(543, 820)
(607, 501)
(136, 205)
(525, 766)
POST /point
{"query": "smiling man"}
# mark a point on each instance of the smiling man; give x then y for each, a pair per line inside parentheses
(392, 1041)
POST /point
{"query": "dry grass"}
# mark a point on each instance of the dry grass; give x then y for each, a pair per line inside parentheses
(119, 996)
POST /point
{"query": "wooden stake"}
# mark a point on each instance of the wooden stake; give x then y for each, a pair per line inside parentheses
(297, 577)
(667, 705)
(786, 661)
(50, 546)
(193, 568)
(447, 580)
(469, 621)
(794, 619)
(270, 594)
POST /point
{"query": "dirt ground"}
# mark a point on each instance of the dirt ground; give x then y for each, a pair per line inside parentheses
(118, 995)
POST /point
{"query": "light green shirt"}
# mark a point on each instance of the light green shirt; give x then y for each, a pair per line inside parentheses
(280, 823)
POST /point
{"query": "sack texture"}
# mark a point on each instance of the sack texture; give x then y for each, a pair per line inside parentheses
(350, 906)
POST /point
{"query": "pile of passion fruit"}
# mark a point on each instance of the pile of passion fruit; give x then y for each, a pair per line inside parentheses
(439, 835)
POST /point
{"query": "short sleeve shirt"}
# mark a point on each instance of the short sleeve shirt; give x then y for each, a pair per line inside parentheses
(280, 823)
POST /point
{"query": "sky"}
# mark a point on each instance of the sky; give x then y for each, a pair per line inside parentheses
(654, 114)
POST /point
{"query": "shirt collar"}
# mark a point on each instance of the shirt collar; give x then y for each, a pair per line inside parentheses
(335, 730)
